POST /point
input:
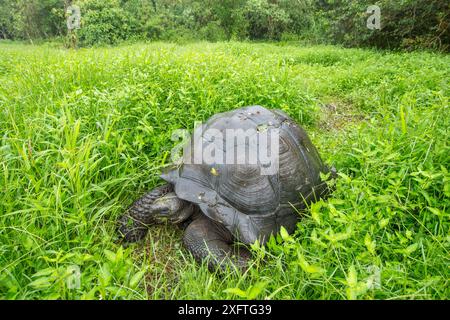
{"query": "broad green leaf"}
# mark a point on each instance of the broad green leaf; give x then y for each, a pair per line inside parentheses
(256, 290)
(285, 235)
(411, 248)
(369, 243)
(44, 272)
(352, 276)
(105, 275)
(110, 255)
(42, 283)
(435, 211)
(383, 222)
(309, 268)
(345, 177)
(136, 278)
(315, 212)
(236, 291)
(119, 254)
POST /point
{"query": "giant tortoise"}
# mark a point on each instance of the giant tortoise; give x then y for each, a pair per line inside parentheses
(222, 204)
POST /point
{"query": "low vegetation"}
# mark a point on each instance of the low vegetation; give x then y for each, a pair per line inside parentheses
(85, 132)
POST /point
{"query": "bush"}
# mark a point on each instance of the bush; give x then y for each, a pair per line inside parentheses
(405, 24)
(31, 19)
(213, 32)
(265, 20)
(105, 22)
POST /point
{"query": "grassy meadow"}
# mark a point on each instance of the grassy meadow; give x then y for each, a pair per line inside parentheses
(85, 132)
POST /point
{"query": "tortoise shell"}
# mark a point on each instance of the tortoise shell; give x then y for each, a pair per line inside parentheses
(251, 205)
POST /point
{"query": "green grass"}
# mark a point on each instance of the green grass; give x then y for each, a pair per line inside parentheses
(84, 133)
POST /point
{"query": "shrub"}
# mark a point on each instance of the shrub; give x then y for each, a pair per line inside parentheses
(213, 32)
(105, 22)
(404, 24)
(265, 20)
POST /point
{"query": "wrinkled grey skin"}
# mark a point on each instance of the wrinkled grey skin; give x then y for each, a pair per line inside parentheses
(234, 203)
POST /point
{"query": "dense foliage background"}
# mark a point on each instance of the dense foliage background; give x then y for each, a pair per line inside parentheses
(408, 24)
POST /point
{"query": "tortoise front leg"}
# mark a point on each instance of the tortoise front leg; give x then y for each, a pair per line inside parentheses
(159, 204)
(206, 239)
